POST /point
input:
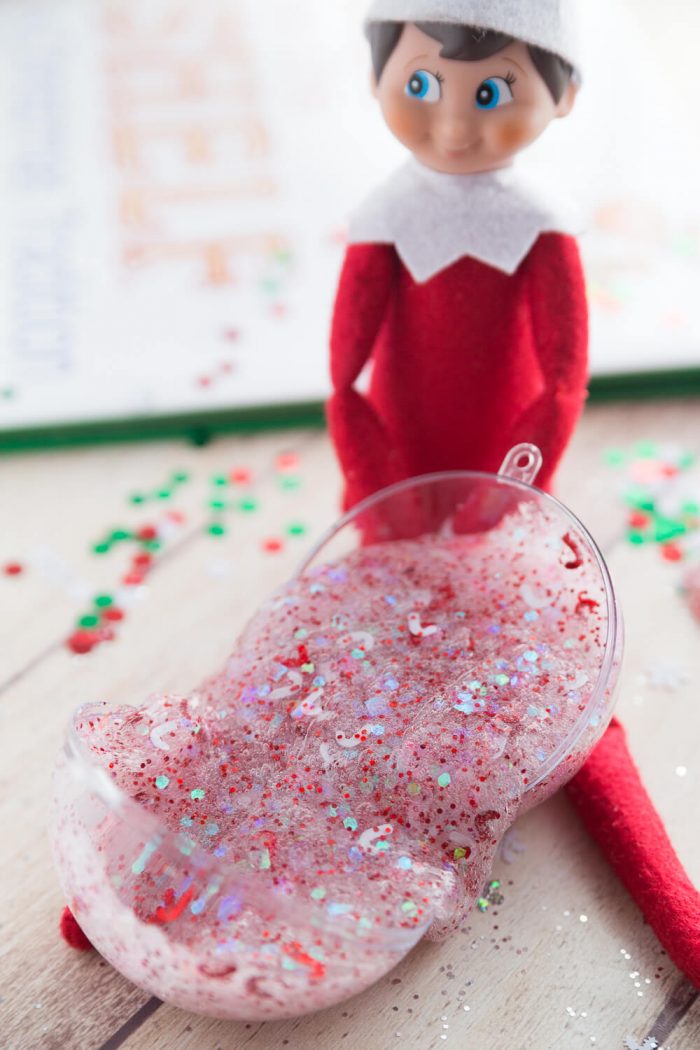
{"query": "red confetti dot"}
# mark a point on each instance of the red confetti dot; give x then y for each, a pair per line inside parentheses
(72, 933)
(671, 552)
(240, 476)
(204, 382)
(232, 334)
(638, 520)
(133, 579)
(227, 367)
(272, 546)
(177, 516)
(113, 615)
(13, 568)
(147, 532)
(144, 559)
(82, 642)
(287, 461)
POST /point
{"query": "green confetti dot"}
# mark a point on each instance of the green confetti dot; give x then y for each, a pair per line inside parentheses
(216, 529)
(151, 545)
(615, 457)
(350, 823)
(217, 504)
(645, 450)
(639, 499)
(102, 548)
(318, 893)
(296, 529)
(196, 794)
(180, 477)
(444, 780)
(119, 535)
(103, 601)
(219, 480)
(137, 498)
(691, 508)
(162, 782)
(248, 506)
(637, 538)
(89, 621)
(290, 482)
(667, 530)
(687, 460)
(164, 494)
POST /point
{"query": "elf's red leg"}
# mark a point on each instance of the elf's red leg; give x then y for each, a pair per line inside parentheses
(613, 804)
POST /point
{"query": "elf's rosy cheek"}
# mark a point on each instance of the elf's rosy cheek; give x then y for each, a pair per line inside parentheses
(406, 122)
(513, 133)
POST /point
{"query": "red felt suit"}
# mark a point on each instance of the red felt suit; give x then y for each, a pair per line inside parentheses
(465, 365)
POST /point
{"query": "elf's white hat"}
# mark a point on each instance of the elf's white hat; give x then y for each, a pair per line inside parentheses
(549, 24)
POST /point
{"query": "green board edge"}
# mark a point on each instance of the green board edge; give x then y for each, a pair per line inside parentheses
(201, 428)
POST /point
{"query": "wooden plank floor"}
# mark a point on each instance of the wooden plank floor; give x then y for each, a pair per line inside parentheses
(564, 962)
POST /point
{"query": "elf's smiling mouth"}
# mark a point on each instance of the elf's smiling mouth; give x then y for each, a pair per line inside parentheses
(457, 154)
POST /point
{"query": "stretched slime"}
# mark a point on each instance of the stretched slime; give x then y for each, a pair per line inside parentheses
(280, 839)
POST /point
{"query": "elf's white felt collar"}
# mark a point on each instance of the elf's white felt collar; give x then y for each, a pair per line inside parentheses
(433, 220)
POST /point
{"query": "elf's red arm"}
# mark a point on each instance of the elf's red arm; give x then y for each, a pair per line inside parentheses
(559, 330)
(363, 446)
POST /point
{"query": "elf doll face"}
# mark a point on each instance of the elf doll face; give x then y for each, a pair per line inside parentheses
(462, 117)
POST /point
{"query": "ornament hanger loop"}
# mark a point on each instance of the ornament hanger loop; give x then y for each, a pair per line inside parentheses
(523, 463)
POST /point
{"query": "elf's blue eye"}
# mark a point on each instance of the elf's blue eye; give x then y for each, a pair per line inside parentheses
(424, 86)
(493, 93)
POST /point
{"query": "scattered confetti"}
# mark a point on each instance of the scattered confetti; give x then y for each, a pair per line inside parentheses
(13, 568)
(662, 495)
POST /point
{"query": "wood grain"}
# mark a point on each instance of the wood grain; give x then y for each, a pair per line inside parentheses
(531, 972)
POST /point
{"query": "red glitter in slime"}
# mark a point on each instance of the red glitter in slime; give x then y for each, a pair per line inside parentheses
(281, 838)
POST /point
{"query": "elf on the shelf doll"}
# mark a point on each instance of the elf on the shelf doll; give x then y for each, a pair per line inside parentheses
(461, 283)
(464, 290)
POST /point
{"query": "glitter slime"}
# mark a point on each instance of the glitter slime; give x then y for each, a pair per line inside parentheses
(280, 839)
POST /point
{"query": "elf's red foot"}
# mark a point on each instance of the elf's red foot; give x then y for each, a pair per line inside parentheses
(72, 933)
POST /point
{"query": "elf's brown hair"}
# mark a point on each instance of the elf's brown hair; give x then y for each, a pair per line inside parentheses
(467, 44)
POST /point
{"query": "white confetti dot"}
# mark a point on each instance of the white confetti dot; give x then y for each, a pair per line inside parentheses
(583, 918)
(681, 771)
